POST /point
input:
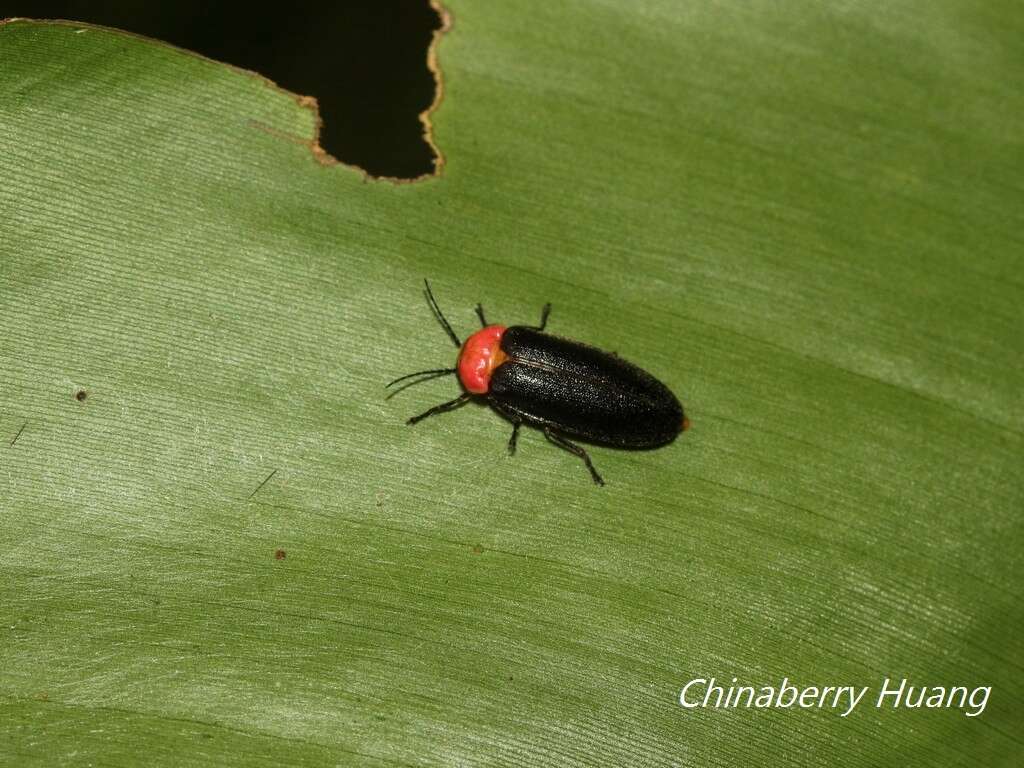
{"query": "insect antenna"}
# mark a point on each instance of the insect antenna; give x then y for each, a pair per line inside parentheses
(437, 313)
(428, 375)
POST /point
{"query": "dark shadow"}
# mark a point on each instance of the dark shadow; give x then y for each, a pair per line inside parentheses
(365, 62)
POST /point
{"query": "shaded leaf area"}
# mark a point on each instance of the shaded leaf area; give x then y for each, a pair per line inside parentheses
(806, 223)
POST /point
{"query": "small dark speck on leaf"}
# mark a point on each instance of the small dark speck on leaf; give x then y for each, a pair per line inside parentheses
(280, 554)
(477, 549)
(80, 395)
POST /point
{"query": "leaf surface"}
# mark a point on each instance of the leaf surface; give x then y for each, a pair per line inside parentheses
(230, 548)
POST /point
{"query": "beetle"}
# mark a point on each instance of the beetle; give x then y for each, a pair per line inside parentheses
(562, 387)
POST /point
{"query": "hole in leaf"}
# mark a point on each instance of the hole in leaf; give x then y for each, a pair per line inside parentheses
(365, 63)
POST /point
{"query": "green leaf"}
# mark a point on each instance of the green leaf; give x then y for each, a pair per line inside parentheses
(805, 219)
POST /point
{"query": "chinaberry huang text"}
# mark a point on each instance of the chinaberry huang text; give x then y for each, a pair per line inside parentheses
(710, 693)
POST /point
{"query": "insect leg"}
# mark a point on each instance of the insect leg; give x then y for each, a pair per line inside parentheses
(480, 314)
(574, 449)
(544, 317)
(451, 405)
(515, 436)
(516, 423)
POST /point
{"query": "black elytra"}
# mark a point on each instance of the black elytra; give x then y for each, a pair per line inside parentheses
(563, 387)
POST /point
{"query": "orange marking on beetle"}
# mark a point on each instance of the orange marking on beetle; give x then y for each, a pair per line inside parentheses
(480, 355)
